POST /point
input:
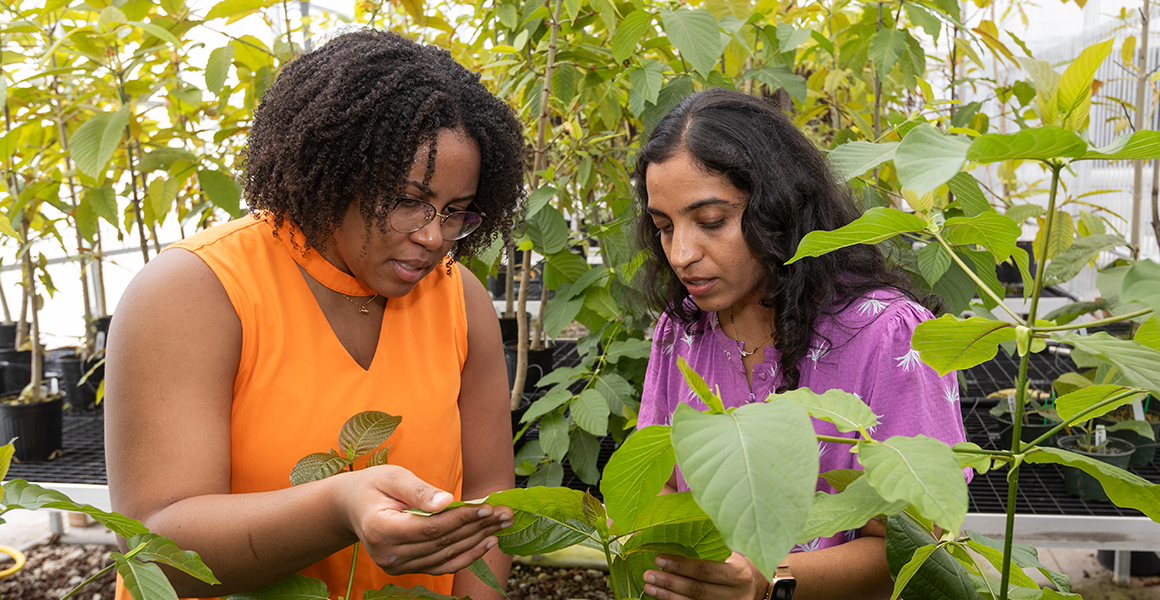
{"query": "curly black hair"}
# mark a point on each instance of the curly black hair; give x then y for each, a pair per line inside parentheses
(342, 123)
(791, 193)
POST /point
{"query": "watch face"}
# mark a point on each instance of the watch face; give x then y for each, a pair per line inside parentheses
(783, 589)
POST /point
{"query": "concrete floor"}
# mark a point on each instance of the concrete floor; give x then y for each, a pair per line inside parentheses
(26, 529)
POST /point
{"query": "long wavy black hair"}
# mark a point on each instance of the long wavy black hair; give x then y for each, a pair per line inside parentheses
(791, 193)
(342, 124)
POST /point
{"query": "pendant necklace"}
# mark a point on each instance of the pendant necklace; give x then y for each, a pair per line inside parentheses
(362, 309)
(744, 354)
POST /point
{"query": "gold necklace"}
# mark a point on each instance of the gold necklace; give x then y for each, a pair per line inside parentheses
(362, 310)
(745, 354)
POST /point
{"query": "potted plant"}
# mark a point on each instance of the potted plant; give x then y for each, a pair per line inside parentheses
(1122, 423)
(1037, 419)
(1093, 442)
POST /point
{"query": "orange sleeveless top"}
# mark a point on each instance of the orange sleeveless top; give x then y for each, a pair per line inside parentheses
(296, 383)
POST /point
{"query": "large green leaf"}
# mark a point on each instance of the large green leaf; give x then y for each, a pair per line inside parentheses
(949, 343)
(1073, 98)
(1023, 556)
(1054, 241)
(933, 262)
(753, 471)
(1134, 145)
(628, 34)
(548, 230)
(583, 452)
(218, 68)
(163, 158)
(885, 47)
(221, 190)
(927, 159)
(1141, 283)
(845, 410)
(1039, 143)
(855, 158)
(636, 473)
(555, 398)
(616, 390)
(647, 80)
(546, 519)
(666, 509)
(563, 267)
(236, 9)
(995, 557)
(145, 581)
(696, 539)
(970, 197)
(560, 313)
(590, 411)
(317, 466)
(395, 592)
(18, 493)
(876, 225)
(1046, 82)
(538, 200)
(1125, 489)
(156, 548)
(996, 232)
(695, 34)
(941, 577)
(93, 143)
(1071, 404)
(1084, 250)
(296, 587)
(554, 435)
(920, 470)
(780, 76)
(1139, 364)
(1021, 212)
(849, 509)
(366, 431)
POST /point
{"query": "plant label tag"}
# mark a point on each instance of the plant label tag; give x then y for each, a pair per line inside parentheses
(1137, 410)
(1011, 403)
(1101, 435)
(54, 386)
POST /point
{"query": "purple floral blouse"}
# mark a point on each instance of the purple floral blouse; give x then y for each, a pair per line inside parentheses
(864, 350)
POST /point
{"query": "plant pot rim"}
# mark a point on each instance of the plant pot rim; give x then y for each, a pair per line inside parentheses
(1066, 440)
(48, 399)
(1006, 419)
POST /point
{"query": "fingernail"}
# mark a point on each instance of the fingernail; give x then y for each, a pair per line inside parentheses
(484, 513)
(442, 498)
(650, 578)
(505, 524)
(392, 559)
(491, 544)
(664, 563)
(650, 590)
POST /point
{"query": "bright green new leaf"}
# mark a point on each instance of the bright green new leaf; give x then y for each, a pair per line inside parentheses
(949, 343)
(629, 33)
(1070, 405)
(1073, 98)
(155, 548)
(301, 587)
(366, 431)
(753, 471)
(546, 519)
(1148, 334)
(389, 592)
(1142, 284)
(221, 191)
(1134, 145)
(1053, 241)
(218, 68)
(636, 473)
(845, 410)
(145, 581)
(699, 387)
(970, 197)
(316, 466)
(996, 232)
(885, 48)
(93, 143)
(995, 557)
(236, 9)
(855, 158)
(780, 76)
(1139, 364)
(590, 412)
(18, 493)
(1125, 489)
(554, 436)
(875, 225)
(849, 509)
(920, 470)
(158, 32)
(927, 159)
(647, 79)
(1039, 143)
(1083, 251)
(1046, 82)
(910, 569)
(695, 34)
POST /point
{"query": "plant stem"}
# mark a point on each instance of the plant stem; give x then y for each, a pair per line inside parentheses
(88, 581)
(353, 562)
(1116, 319)
(613, 577)
(979, 282)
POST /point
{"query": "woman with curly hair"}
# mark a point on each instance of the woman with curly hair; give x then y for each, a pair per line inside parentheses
(373, 161)
(728, 188)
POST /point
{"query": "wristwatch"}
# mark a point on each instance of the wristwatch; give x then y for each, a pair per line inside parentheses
(782, 585)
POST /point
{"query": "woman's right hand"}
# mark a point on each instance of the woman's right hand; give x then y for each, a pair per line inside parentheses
(375, 501)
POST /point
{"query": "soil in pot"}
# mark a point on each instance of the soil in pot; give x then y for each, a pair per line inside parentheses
(54, 569)
(1145, 449)
(1028, 433)
(37, 426)
(1117, 453)
(539, 364)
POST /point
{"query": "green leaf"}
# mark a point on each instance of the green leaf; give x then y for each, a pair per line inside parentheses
(563, 267)
(1141, 284)
(876, 225)
(1039, 143)
(317, 466)
(221, 191)
(235, 9)
(583, 452)
(1125, 489)
(93, 143)
(928, 22)
(7, 451)
(673, 92)
(1062, 235)
(927, 159)
(790, 38)
(1024, 557)
(593, 512)
(6, 227)
(18, 493)
(366, 431)
(667, 509)
(557, 397)
(779, 76)
(392, 592)
(941, 578)
(554, 436)
(696, 383)
(155, 548)
(558, 314)
(933, 262)
(920, 470)
(158, 32)
(996, 232)
(910, 569)
(647, 79)
(1083, 251)
(547, 230)
(1135, 145)
(696, 538)
(970, 197)
(481, 570)
(848, 509)
(630, 348)
(949, 343)
(753, 471)
(163, 158)
(600, 301)
(1021, 212)
(145, 581)
(617, 391)
(636, 473)
(300, 587)
(218, 68)
(885, 48)
(1046, 82)
(1139, 364)
(855, 158)
(995, 557)
(590, 412)
(845, 410)
(1148, 334)
(695, 34)
(538, 199)
(546, 519)
(1073, 98)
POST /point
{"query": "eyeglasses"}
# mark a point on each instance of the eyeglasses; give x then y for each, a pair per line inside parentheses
(409, 215)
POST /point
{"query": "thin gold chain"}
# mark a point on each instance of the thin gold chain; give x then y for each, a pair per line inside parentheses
(362, 309)
(736, 341)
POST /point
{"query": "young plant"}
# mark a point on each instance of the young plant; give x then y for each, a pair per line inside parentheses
(138, 567)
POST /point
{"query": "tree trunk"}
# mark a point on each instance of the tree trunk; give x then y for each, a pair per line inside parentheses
(1141, 124)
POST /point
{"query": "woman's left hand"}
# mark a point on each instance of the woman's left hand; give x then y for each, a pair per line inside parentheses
(689, 578)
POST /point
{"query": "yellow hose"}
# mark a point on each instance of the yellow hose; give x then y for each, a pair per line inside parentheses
(17, 556)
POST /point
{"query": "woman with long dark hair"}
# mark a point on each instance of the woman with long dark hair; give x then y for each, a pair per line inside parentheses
(728, 188)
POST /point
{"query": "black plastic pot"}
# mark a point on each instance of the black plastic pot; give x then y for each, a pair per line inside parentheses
(37, 427)
(1028, 433)
(7, 335)
(1082, 485)
(79, 396)
(1145, 448)
(17, 370)
(1143, 564)
(539, 364)
(509, 329)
